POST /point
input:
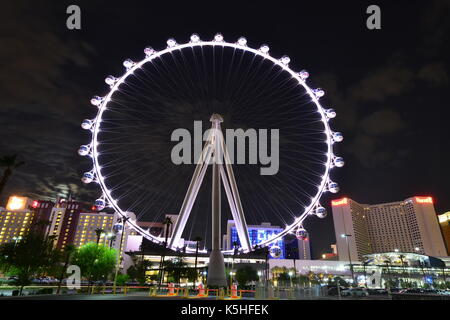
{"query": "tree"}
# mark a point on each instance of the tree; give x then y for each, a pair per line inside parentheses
(122, 279)
(138, 271)
(99, 233)
(402, 258)
(96, 261)
(245, 275)
(197, 240)
(167, 222)
(10, 163)
(33, 255)
(176, 268)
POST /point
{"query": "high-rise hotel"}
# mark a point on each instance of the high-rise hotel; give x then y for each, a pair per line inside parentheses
(404, 226)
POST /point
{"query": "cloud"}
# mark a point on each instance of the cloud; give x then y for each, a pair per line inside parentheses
(435, 74)
(391, 80)
(383, 122)
(39, 105)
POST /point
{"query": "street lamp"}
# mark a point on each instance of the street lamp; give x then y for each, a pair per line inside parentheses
(231, 277)
(16, 239)
(290, 277)
(349, 257)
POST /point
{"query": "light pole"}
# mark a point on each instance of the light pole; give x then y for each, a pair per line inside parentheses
(16, 239)
(349, 257)
(124, 219)
(290, 277)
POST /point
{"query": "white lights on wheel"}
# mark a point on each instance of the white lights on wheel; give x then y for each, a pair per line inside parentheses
(84, 150)
(242, 41)
(100, 204)
(285, 60)
(264, 48)
(110, 80)
(321, 212)
(333, 187)
(171, 43)
(337, 137)
(218, 37)
(128, 64)
(88, 177)
(149, 51)
(195, 38)
(303, 74)
(87, 124)
(331, 113)
(96, 127)
(96, 101)
(339, 162)
(318, 92)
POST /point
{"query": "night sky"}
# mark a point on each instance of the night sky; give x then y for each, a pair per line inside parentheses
(389, 86)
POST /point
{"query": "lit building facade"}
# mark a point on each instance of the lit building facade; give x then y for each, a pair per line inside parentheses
(444, 222)
(88, 222)
(257, 234)
(16, 219)
(63, 222)
(407, 226)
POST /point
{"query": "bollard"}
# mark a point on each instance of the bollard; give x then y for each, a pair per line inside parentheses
(234, 291)
(201, 290)
(171, 289)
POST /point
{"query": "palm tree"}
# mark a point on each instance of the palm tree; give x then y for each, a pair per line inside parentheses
(68, 252)
(387, 262)
(197, 240)
(365, 263)
(10, 163)
(402, 260)
(291, 252)
(99, 233)
(167, 222)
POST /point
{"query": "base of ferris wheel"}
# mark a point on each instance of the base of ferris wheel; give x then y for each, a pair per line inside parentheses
(214, 153)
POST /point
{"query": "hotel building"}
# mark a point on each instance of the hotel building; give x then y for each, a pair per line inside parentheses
(444, 222)
(15, 219)
(404, 226)
(88, 223)
(257, 234)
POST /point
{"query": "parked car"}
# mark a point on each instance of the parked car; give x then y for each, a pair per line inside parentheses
(333, 291)
(377, 291)
(355, 292)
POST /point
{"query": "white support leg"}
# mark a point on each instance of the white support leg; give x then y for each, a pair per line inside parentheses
(191, 195)
(241, 224)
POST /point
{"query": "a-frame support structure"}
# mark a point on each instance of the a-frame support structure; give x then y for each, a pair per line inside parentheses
(215, 153)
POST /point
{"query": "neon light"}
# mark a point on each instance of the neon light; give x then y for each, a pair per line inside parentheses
(16, 203)
(339, 202)
(424, 200)
(35, 204)
(444, 217)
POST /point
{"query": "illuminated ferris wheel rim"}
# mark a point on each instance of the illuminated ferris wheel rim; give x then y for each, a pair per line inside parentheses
(241, 44)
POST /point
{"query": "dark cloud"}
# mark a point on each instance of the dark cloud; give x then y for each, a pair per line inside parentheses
(383, 122)
(40, 105)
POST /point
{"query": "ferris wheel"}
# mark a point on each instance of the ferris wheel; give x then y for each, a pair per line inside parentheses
(241, 87)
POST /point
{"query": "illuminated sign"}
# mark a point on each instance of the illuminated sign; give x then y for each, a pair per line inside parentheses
(444, 217)
(339, 202)
(35, 204)
(16, 203)
(424, 200)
